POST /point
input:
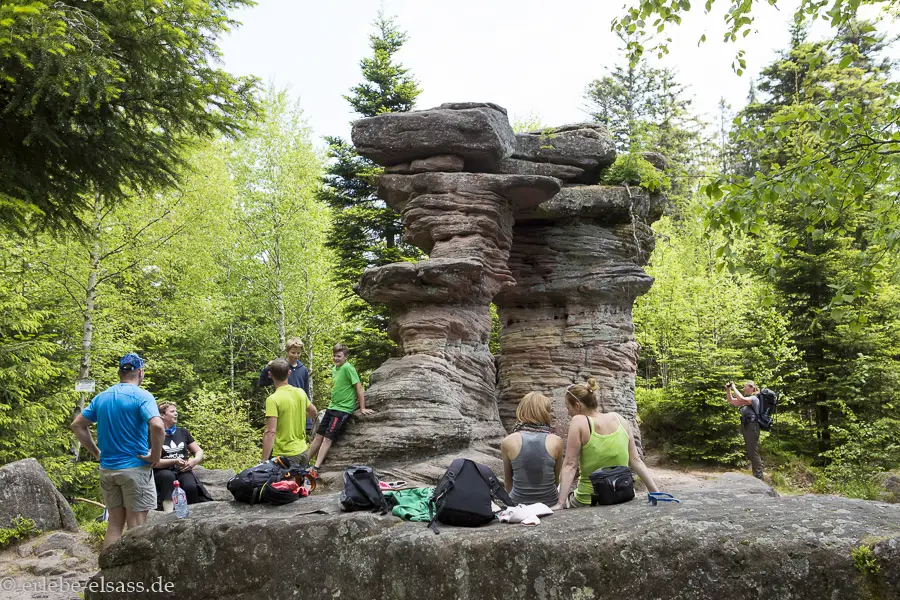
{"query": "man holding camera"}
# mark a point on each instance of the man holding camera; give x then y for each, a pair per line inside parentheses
(749, 403)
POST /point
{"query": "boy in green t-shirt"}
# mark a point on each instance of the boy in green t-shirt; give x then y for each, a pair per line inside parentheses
(346, 391)
(286, 413)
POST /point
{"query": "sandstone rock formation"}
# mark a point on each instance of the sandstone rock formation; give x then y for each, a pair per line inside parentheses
(438, 400)
(26, 491)
(584, 146)
(478, 132)
(727, 541)
(563, 266)
(577, 260)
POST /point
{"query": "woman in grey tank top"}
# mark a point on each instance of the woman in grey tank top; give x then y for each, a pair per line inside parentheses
(532, 456)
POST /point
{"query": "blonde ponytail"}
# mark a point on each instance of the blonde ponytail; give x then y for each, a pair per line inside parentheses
(583, 393)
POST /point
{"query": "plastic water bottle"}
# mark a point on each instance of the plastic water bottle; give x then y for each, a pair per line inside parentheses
(179, 499)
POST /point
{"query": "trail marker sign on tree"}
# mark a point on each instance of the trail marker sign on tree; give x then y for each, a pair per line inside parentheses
(85, 385)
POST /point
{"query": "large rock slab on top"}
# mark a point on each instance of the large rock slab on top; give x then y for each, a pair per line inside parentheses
(718, 543)
(523, 192)
(609, 204)
(478, 132)
(587, 146)
(515, 166)
(26, 491)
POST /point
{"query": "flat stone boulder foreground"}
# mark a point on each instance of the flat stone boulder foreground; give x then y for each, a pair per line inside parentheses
(729, 540)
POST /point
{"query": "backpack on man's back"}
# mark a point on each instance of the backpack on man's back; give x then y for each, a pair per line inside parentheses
(463, 496)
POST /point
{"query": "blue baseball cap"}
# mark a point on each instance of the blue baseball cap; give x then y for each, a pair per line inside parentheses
(131, 362)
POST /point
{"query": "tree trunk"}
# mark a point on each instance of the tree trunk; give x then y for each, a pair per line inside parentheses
(90, 297)
(279, 290)
(822, 423)
(231, 356)
(309, 359)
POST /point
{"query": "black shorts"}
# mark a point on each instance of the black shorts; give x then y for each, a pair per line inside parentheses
(332, 423)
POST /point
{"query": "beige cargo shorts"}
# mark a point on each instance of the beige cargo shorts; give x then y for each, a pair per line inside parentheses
(132, 488)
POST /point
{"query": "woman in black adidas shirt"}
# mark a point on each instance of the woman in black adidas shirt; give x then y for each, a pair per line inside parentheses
(177, 463)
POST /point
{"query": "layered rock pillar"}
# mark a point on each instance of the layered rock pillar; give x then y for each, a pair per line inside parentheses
(577, 260)
(438, 400)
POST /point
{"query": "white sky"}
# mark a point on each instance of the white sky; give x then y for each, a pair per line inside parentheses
(533, 57)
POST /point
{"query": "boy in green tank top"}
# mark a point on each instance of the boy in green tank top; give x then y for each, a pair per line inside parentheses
(346, 392)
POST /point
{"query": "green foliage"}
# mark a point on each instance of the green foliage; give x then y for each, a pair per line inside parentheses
(365, 232)
(103, 97)
(21, 529)
(647, 19)
(221, 425)
(817, 144)
(96, 531)
(690, 420)
(282, 225)
(87, 514)
(530, 122)
(73, 479)
(806, 307)
(32, 407)
(864, 560)
(633, 169)
(862, 451)
(496, 326)
(817, 255)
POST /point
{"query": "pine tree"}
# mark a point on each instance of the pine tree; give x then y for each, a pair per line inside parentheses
(646, 109)
(366, 233)
(105, 98)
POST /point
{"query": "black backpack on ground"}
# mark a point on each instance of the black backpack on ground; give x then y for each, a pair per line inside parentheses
(362, 490)
(252, 485)
(612, 485)
(463, 496)
(768, 401)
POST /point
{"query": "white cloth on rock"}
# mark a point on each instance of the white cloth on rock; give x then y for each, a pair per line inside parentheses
(526, 514)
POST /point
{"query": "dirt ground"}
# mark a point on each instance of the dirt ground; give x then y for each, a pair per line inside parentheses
(52, 566)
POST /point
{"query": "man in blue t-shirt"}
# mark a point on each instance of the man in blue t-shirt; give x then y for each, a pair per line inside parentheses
(126, 415)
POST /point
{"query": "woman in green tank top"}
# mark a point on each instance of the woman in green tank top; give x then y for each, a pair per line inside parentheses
(596, 439)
